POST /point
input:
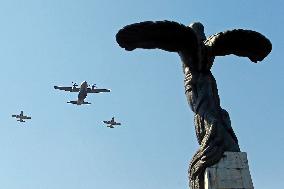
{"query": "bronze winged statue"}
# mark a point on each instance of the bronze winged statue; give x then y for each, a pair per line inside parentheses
(212, 123)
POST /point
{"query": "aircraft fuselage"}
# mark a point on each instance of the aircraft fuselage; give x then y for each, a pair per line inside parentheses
(82, 92)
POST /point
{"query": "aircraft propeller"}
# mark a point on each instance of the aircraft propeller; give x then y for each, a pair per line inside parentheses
(93, 86)
(74, 84)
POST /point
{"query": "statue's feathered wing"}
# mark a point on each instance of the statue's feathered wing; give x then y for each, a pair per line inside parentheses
(245, 43)
(165, 35)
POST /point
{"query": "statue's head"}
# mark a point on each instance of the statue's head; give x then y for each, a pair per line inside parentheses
(198, 28)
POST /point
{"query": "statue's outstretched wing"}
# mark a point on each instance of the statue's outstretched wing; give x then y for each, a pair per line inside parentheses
(166, 35)
(240, 42)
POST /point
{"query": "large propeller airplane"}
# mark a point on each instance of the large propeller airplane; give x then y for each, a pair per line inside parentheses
(111, 123)
(21, 117)
(83, 90)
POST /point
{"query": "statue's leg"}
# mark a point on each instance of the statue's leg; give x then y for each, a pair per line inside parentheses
(210, 152)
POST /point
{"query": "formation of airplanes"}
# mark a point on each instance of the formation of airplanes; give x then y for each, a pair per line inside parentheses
(83, 90)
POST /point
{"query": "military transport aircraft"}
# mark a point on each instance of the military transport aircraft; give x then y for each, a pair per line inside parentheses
(111, 123)
(21, 117)
(83, 90)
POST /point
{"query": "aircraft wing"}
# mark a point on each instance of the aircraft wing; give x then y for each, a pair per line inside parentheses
(70, 89)
(107, 122)
(26, 117)
(89, 90)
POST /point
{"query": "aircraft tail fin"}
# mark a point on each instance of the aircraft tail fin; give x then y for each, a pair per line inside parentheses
(72, 102)
(78, 103)
(86, 102)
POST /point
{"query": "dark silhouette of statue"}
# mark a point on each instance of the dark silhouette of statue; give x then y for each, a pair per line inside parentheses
(212, 123)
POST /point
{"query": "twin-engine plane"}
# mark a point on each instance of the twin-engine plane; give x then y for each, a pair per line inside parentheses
(20, 117)
(83, 90)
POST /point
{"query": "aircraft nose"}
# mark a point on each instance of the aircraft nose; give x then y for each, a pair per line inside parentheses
(84, 83)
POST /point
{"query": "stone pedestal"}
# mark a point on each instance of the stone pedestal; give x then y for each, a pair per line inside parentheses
(231, 172)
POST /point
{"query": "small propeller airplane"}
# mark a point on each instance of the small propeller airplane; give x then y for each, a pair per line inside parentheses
(111, 123)
(83, 90)
(21, 117)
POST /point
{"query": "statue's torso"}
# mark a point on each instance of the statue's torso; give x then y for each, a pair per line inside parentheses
(202, 95)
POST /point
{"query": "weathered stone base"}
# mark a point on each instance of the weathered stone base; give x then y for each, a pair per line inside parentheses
(231, 172)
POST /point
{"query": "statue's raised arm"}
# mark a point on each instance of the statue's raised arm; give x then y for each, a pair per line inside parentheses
(212, 123)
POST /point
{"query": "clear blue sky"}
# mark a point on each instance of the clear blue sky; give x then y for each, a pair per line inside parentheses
(54, 42)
